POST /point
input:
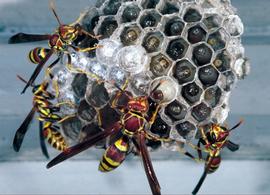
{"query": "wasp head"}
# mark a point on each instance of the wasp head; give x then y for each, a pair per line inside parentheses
(138, 104)
(68, 33)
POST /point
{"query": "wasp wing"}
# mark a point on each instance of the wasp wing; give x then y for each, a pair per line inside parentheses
(21, 131)
(25, 38)
(37, 70)
(232, 146)
(72, 151)
(42, 141)
(148, 167)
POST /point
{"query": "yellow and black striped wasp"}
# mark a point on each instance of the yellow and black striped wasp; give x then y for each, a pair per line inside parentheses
(214, 141)
(47, 115)
(59, 42)
(132, 127)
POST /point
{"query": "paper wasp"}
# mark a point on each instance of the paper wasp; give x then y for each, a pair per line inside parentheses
(47, 114)
(133, 126)
(214, 141)
(59, 42)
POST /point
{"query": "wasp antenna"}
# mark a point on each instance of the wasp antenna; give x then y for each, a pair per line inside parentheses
(52, 6)
(23, 80)
(238, 124)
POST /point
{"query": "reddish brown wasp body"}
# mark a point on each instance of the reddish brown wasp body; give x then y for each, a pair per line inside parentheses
(59, 42)
(133, 127)
(214, 141)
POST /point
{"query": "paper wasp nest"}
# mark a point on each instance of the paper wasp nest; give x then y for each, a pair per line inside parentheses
(193, 44)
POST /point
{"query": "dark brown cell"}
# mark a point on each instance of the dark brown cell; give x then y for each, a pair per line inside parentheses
(152, 42)
(174, 27)
(196, 34)
(111, 7)
(184, 71)
(202, 55)
(98, 96)
(176, 111)
(150, 19)
(160, 64)
(222, 61)
(192, 93)
(90, 130)
(160, 128)
(72, 127)
(130, 13)
(79, 85)
(192, 15)
(212, 96)
(216, 40)
(107, 27)
(169, 8)
(148, 4)
(86, 112)
(208, 75)
(185, 128)
(130, 35)
(201, 112)
(177, 48)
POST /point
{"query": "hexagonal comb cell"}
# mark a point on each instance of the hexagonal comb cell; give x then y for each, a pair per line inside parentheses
(222, 61)
(130, 35)
(208, 75)
(111, 7)
(152, 41)
(79, 84)
(177, 48)
(212, 96)
(90, 20)
(212, 22)
(150, 19)
(201, 112)
(160, 65)
(202, 54)
(176, 111)
(192, 93)
(130, 13)
(184, 71)
(149, 4)
(174, 27)
(196, 34)
(192, 15)
(229, 80)
(107, 27)
(185, 129)
(86, 112)
(168, 8)
(160, 128)
(71, 127)
(218, 39)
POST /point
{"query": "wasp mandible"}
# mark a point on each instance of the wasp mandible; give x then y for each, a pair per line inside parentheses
(59, 42)
(47, 114)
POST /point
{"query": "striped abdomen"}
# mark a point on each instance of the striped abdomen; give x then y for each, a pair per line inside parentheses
(215, 162)
(114, 155)
(54, 138)
(38, 54)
